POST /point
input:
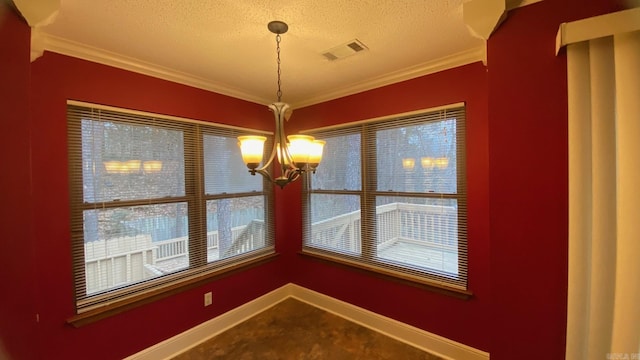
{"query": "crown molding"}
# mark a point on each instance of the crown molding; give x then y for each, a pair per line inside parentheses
(41, 42)
(514, 4)
(426, 68)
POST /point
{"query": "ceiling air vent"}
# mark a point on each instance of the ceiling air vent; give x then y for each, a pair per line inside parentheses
(340, 52)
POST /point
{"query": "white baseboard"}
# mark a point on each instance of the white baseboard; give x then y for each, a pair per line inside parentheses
(435, 344)
(208, 329)
(413, 336)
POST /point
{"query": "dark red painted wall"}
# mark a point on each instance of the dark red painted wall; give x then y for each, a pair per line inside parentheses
(17, 311)
(465, 321)
(517, 180)
(56, 78)
(517, 175)
(528, 180)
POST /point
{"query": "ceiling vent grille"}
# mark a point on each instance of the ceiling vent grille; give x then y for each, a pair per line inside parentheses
(340, 52)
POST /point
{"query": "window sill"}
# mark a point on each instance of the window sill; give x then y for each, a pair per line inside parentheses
(135, 301)
(390, 276)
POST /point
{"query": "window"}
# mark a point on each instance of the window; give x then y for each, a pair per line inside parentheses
(390, 196)
(156, 201)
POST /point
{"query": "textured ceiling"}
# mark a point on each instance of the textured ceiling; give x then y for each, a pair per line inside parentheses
(226, 42)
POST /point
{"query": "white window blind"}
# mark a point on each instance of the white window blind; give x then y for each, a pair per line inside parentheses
(156, 201)
(390, 196)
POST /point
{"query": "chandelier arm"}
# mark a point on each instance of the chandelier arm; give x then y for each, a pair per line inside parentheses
(280, 111)
(287, 163)
(264, 173)
(280, 181)
(294, 174)
(284, 159)
(272, 156)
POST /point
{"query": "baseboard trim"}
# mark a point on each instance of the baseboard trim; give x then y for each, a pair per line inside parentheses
(400, 331)
(186, 340)
(413, 336)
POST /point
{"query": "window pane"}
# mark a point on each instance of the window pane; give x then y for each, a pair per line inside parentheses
(417, 232)
(225, 172)
(130, 162)
(413, 195)
(235, 226)
(127, 245)
(335, 222)
(417, 158)
(155, 201)
(340, 166)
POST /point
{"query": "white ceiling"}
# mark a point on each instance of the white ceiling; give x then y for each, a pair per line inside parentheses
(225, 46)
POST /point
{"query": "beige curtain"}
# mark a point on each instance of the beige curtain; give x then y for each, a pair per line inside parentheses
(603, 319)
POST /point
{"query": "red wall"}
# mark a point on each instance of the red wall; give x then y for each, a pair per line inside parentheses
(528, 187)
(465, 321)
(517, 176)
(54, 79)
(517, 180)
(17, 311)
(528, 180)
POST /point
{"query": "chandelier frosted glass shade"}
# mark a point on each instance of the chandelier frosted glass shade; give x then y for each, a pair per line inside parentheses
(252, 148)
(295, 154)
(315, 153)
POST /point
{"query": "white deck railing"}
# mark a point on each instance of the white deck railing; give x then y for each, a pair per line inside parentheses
(125, 260)
(427, 224)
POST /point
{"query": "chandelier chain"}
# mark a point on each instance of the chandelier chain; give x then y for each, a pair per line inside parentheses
(279, 93)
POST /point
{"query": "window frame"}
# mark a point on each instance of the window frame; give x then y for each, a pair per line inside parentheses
(368, 193)
(92, 307)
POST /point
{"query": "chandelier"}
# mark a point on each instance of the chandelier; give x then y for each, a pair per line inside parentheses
(295, 154)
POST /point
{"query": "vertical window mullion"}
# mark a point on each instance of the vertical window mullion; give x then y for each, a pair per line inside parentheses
(194, 183)
(369, 183)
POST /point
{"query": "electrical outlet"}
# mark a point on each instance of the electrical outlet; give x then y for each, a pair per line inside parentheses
(208, 298)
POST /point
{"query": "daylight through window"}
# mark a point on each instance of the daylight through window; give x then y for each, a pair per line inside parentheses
(390, 196)
(156, 201)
